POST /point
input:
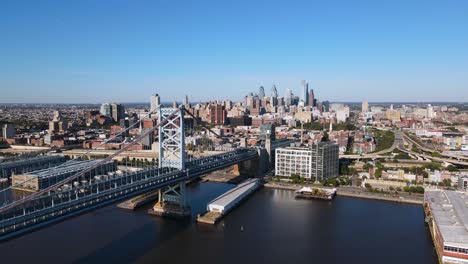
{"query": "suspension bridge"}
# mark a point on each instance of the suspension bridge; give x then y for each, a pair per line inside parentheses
(89, 188)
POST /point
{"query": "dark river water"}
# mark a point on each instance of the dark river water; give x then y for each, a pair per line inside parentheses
(276, 229)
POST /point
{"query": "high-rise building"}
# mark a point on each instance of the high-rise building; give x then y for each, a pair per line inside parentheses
(305, 91)
(117, 112)
(106, 109)
(289, 97)
(155, 102)
(261, 92)
(319, 161)
(8, 131)
(185, 102)
(365, 107)
(274, 92)
(249, 101)
(311, 98)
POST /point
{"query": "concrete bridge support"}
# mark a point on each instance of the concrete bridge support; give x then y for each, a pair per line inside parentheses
(172, 202)
(255, 167)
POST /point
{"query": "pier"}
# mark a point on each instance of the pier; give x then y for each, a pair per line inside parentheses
(220, 206)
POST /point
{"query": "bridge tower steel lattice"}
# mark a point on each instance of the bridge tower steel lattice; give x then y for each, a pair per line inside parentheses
(172, 155)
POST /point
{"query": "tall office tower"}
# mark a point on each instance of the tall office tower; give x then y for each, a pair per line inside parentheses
(175, 104)
(261, 92)
(289, 97)
(155, 102)
(305, 91)
(118, 112)
(365, 106)
(249, 101)
(106, 109)
(311, 101)
(280, 101)
(185, 102)
(274, 92)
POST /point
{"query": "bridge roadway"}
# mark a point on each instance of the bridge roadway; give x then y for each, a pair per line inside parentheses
(65, 203)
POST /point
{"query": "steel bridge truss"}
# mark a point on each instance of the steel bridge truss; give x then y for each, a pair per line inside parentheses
(63, 203)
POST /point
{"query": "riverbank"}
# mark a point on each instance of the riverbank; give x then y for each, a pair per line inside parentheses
(354, 192)
(379, 196)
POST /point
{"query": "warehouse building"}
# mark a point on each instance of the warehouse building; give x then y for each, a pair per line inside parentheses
(447, 216)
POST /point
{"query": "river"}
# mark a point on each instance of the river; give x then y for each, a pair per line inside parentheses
(276, 229)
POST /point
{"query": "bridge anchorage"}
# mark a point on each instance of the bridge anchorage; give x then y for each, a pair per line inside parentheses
(172, 198)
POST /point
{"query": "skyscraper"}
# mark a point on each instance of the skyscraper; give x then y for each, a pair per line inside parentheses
(185, 102)
(105, 109)
(261, 92)
(288, 96)
(305, 91)
(274, 92)
(155, 101)
(311, 98)
(118, 112)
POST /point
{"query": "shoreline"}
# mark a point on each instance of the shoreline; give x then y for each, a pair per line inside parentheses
(380, 198)
(344, 193)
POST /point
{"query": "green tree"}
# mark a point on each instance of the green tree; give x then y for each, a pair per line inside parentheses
(325, 137)
(452, 168)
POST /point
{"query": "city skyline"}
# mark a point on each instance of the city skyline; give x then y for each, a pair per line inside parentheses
(55, 52)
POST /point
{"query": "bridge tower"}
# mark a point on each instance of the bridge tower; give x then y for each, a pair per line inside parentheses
(172, 199)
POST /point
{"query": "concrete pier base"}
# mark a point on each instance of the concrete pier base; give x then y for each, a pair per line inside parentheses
(170, 210)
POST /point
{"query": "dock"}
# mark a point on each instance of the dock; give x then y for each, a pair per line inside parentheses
(315, 193)
(138, 201)
(220, 206)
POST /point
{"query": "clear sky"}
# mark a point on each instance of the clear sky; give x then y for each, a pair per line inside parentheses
(124, 50)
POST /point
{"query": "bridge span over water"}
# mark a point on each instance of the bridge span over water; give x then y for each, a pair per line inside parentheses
(83, 191)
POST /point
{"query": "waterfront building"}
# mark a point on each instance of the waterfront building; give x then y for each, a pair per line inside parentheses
(318, 161)
(447, 217)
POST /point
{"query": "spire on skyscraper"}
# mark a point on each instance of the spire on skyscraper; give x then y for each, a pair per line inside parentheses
(261, 92)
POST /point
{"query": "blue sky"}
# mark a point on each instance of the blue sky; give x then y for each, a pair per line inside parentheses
(124, 50)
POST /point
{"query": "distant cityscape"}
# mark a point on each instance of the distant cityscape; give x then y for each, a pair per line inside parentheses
(413, 153)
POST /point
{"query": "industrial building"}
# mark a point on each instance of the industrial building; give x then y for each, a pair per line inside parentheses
(41, 179)
(447, 217)
(319, 161)
(18, 166)
(228, 200)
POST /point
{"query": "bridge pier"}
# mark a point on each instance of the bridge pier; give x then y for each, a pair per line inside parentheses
(172, 202)
(255, 167)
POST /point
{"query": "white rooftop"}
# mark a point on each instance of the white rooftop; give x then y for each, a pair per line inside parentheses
(450, 211)
(226, 198)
